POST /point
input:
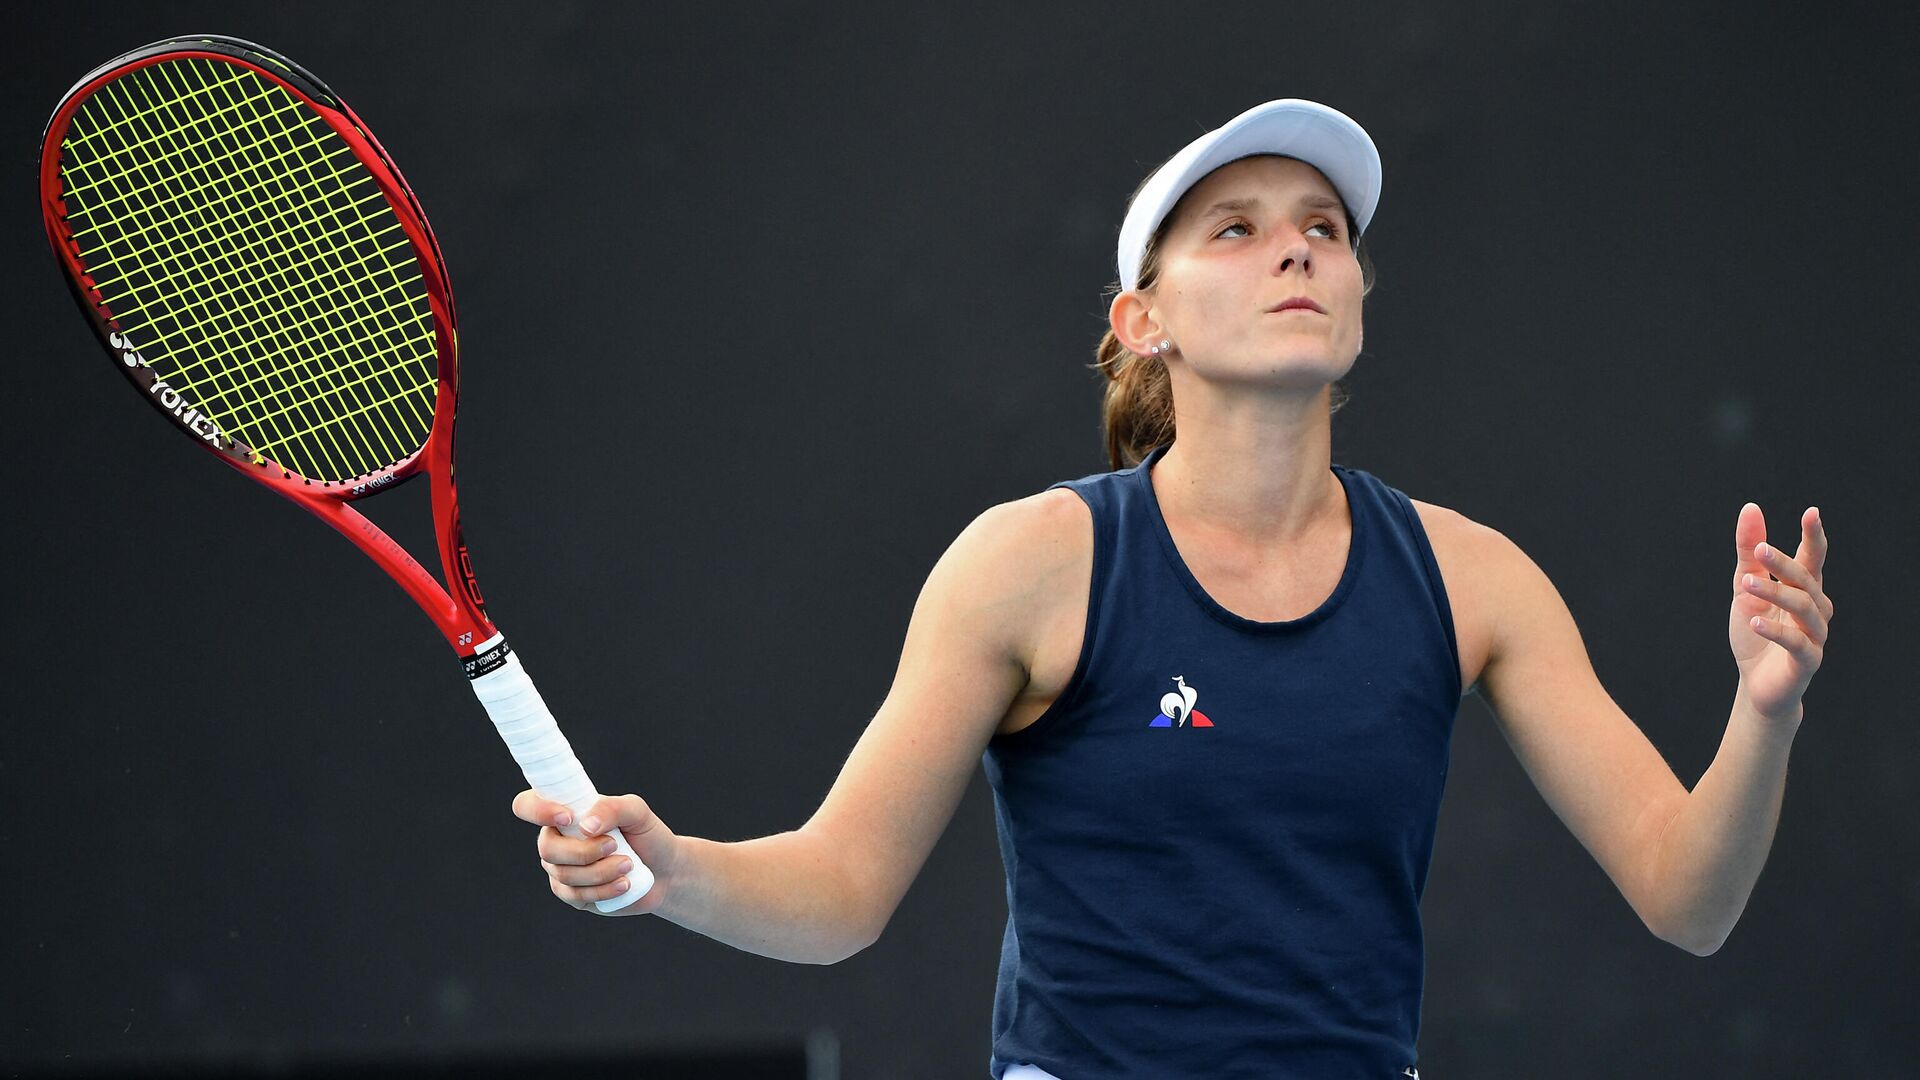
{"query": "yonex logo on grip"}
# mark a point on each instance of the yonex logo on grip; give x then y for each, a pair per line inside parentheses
(167, 397)
(487, 662)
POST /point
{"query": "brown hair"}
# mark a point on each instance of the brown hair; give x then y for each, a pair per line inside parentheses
(1138, 410)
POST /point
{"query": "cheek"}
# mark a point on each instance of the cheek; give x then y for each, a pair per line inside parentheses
(1352, 303)
(1224, 296)
(1199, 307)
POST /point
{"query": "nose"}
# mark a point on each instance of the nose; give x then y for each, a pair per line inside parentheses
(1294, 252)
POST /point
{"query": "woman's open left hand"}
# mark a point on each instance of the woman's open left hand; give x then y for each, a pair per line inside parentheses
(1778, 626)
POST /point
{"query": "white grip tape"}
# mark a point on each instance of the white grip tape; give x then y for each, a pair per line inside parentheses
(548, 762)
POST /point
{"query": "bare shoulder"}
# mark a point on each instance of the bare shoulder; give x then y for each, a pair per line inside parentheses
(1057, 528)
(1029, 568)
(1482, 553)
(1470, 556)
(1031, 559)
(1050, 522)
(1003, 578)
(1452, 529)
(1018, 545)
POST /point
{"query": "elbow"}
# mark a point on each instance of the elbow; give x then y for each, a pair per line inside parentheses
(843, 950)
(1695, 941)
(1705, 946)
(1686, 928)
(858, 923)
(849, 952)
(1700, 950)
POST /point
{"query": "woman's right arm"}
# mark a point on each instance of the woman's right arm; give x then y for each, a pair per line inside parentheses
(825, 891)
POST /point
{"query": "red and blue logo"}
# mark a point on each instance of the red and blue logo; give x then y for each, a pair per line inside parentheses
(1176, 709)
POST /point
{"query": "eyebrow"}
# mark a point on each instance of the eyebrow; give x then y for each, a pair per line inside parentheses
(1241, 206)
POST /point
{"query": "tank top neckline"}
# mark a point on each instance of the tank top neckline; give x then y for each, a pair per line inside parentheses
(1356, 552)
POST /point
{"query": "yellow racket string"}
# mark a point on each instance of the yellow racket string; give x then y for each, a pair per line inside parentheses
(356, 448)
(221, 229)
(135, 194)
(134, 90)
(234, 75)
(248, 258)
(368, 443)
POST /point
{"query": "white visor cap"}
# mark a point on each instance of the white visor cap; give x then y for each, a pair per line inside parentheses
(1324, 138)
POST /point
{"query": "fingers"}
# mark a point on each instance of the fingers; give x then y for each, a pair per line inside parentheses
(528, 806)
(554, 845)
(1802, 592)
(1753, 555)
(582, 896)
(1813, 542)
(1788, 570)
(585, 869)
(1790, 638)
(559, 848)
(1798, 602)
(607, 884)
(1798, 591)
(629, 813)
(1749, 530)
(609, 813)
(602, 872)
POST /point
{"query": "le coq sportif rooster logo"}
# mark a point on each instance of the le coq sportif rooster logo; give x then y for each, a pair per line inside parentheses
(1176, 709)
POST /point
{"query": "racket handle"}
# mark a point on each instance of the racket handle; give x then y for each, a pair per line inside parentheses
(545, 758)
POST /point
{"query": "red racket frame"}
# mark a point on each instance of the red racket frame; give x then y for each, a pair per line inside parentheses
(459, 612)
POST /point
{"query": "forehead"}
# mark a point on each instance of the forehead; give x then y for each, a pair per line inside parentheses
(1273, 180)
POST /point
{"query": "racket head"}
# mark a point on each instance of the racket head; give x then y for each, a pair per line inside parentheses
(254, 262)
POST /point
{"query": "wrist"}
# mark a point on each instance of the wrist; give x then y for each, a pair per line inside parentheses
(677, 879)
(1772, 728)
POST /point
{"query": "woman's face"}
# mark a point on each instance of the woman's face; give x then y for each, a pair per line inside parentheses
(1249, 236)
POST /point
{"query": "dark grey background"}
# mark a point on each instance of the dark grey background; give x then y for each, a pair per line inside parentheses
(759, 308)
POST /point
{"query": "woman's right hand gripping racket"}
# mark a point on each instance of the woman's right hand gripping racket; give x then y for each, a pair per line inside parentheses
(257, 268)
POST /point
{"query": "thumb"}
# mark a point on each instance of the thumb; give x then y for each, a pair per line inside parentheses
(628, 812)
(1749, 531)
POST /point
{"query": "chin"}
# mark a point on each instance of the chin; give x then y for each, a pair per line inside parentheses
(1306, 365)
(1296, 375)
(1302, 365)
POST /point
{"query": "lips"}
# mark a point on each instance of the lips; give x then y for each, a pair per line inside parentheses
(1299, 302)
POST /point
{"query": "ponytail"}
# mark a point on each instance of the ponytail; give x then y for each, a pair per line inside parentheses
(1138, 411)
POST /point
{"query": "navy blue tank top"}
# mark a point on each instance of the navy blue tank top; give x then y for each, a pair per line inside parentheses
(1216, 839)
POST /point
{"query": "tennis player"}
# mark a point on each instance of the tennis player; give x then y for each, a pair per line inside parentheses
(1214, 688)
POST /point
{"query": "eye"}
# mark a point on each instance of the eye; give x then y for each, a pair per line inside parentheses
(1332, 230)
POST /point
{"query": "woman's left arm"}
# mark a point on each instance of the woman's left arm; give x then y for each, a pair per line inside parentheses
(1685, 861)
(1714, 847)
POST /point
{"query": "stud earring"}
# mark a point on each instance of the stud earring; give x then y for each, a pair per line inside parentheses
(1164, 346)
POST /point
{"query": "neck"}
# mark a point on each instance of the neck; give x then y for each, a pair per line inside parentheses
(1249, 469)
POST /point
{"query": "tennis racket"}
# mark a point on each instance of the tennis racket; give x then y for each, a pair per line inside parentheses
(255, 265)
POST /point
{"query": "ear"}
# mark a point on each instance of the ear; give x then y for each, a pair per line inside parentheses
(1131, 317)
